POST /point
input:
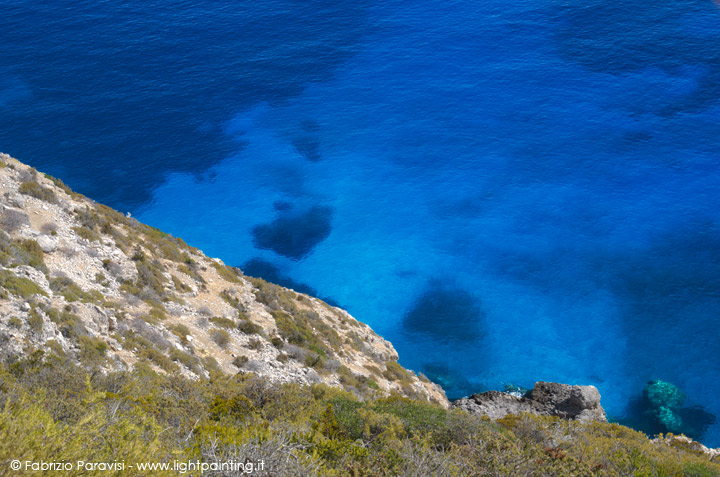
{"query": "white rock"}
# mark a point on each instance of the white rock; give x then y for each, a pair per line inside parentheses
(47, 244)
(17, 200)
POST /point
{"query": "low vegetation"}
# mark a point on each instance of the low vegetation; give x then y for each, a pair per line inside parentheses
(72, 292)
(54, 411)
(21, 252)
(19, 286)
(34, 189)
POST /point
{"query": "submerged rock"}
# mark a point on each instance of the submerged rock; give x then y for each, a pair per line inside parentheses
(665, 399)
(549, 399)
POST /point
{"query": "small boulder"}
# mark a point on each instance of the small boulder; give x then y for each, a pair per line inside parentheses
(16, 200)
(47, 244)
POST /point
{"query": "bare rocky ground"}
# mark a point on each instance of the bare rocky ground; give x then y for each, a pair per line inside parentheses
(80, 280)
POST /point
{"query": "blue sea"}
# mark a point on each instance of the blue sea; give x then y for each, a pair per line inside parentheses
(509, 192)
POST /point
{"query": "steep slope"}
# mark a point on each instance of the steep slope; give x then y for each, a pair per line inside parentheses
(203, 366)
(79, 279)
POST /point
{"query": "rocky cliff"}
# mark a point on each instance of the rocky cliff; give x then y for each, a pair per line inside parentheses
(580, 403)
(80, 280)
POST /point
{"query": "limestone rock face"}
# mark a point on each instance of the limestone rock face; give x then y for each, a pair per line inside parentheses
(47, 244)
(550, 399)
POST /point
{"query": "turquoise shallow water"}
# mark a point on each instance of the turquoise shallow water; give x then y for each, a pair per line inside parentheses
(509, 193)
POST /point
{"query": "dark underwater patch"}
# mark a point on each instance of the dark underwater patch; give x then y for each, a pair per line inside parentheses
(295, 235)
(282, 206)
(258, 267)
(447, 314)
(671, 286)
(629, 36)
(308, 147)
(310, 126)
(142, 90)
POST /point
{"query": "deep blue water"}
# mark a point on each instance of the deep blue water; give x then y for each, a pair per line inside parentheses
(508, 192)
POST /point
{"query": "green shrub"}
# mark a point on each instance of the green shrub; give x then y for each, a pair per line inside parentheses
(222, 322)
(35, 321)
(314, 360)
(62, 186)
(145, 349)
(28, 252)
(56, 348)
(29, 432)
(395, 372)
(87, 234)
(248, 327)
(220, 337)
(151, 276)
(138, 255)
(255, 344)
(227, 273)
(212, 367)
(299, 330)
(33, 189)
(180, 285)
(102, 279)
(240, 361)
(228, 296)
(69, 324)
(19, 286)
(158, 313)
(186, 359)
(92, 350)
(66, 287)
(181, 331)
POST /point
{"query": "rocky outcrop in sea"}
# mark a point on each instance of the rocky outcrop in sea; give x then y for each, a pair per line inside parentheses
(580, 403)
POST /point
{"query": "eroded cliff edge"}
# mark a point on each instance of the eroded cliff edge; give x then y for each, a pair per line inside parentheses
(81, 280)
